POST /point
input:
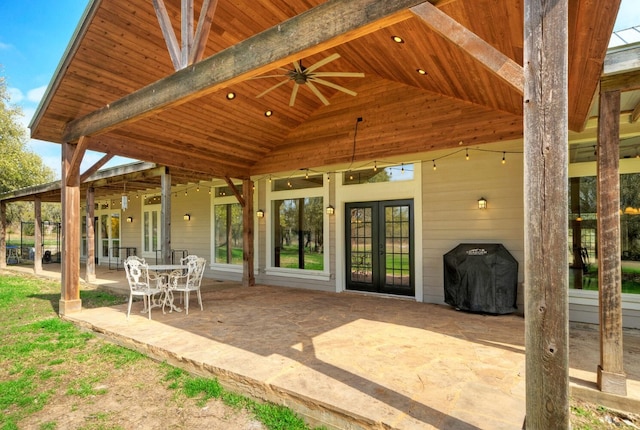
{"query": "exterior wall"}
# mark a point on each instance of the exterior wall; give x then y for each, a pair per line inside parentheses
(450, 208)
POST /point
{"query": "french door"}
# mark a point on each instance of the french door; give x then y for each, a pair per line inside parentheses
(379, 247)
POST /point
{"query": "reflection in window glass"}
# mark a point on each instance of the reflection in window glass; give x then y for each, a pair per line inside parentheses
(583, 257)
(228, 233)
(298, 228)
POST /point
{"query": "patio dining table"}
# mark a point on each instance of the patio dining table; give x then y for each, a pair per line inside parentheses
(166, 297)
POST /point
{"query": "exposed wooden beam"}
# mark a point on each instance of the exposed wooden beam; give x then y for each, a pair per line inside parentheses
(169, 35)
(300, 36)
(621, 82)
(202, 30)
(186, 31)
(235, 191)
(636, 113)
(74, 167)
(93, 169)
(488, 56)
(623, 60)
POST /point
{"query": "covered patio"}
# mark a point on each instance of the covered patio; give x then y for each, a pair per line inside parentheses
(352, 360)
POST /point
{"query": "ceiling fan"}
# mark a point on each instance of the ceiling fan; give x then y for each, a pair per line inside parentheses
(308, 76)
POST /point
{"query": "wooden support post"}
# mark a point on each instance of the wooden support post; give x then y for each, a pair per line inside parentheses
(90, 226)
(248, 277)
(70, 197)
(37, 223)
(546, 218)
(165, 218)
(3, 234)
(611, 376)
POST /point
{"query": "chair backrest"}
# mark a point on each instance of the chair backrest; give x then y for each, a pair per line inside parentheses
(189, 258)
(135, 257)
(137, 273)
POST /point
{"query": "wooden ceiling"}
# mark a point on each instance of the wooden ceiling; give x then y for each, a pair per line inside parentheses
(120, 49)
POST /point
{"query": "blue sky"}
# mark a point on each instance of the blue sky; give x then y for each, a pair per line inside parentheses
(34, 35)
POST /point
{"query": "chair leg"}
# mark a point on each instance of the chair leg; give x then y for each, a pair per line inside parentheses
(129, 308)
(186, 302)
(149, 299)
(200, 299)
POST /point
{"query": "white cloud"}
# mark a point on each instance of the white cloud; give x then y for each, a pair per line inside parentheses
(35, 95)
(15, 95)
(27, 114)
(5, 46)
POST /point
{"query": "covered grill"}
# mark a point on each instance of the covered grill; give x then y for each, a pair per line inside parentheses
(481, 277)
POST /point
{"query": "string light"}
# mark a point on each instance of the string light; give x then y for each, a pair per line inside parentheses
(328, 177)
(434, 164)
(375, 166)
(467, 156)
(504, 161)
(306, 175)
(402, 169)
(198, 188)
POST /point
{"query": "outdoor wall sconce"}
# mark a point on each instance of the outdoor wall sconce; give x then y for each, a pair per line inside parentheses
(129, 219)
(482, 203)
(330, 210)
(260, 213)
(186, 217)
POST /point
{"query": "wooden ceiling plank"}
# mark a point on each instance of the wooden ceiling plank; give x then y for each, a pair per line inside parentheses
(492, 59)
(304, 34)
(169, 35)
(202, 30)
(91, 170)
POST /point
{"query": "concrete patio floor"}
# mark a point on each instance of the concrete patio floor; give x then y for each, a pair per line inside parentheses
(355, 361)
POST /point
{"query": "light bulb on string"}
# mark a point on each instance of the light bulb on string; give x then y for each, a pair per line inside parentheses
(434, 164)
(504, 161)
(402, 169)
(306, 175)
(328, 177)
(375, 166)
(467, 156)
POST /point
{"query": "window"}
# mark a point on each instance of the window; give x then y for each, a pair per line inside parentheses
(298, 238)
(583, 264)
(151, 209)
(228, 233)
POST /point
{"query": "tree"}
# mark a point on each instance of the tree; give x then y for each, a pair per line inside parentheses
(19, 167)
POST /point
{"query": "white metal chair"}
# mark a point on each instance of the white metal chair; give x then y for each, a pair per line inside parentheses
(189, 281)
(140, 283)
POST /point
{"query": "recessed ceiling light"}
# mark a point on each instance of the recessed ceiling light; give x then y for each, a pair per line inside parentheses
(421, 71)
(231, 96)
(268, 113)
(397, 39)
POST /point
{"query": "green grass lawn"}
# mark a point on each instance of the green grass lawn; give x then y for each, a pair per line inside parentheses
(49, 363)
(630, 280)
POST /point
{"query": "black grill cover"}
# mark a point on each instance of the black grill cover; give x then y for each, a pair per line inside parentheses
(481, 277)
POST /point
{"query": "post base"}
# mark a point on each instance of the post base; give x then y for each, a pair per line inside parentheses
(69, 306)
(612, 383)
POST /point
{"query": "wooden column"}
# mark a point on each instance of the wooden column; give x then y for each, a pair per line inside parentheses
(91, 244)
(37, 223)
(3, 234)
(165, 219)
(611, 376)
(546, 218)
(248, 276)
(70, 269)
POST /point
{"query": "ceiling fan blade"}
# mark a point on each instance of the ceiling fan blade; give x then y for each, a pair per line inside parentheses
(269, 76)
(296, 66)
(322, 62)
(317, 92)
(272, 88)
(339, 74)
(294, 92)
(336, 86)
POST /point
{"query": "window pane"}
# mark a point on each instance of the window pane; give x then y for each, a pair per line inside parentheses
(298, 239)
(146, 233)
(583, 257)
(228, 233)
